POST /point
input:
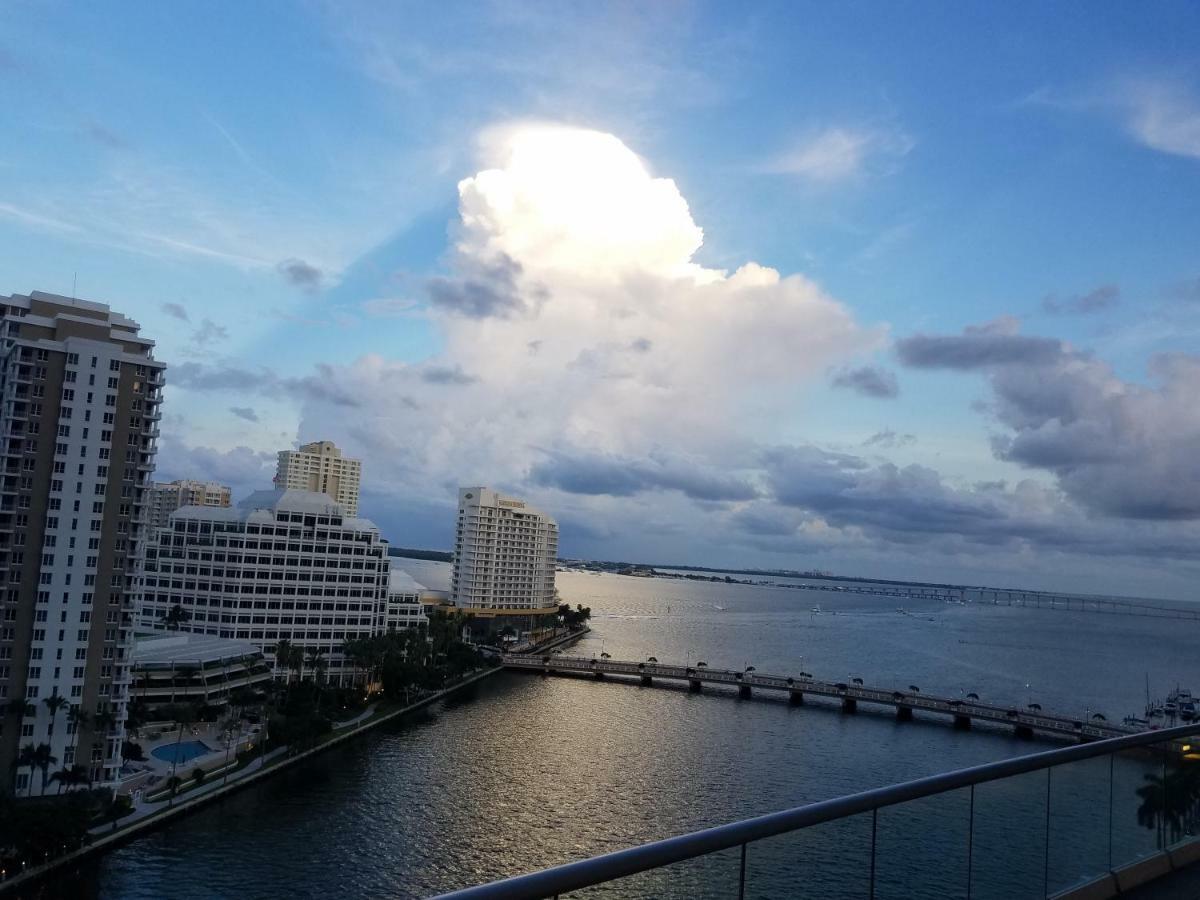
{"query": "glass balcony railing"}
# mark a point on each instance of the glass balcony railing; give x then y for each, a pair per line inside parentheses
(1091, 820)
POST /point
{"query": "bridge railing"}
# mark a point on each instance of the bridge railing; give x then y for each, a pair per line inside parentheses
(1081, 821)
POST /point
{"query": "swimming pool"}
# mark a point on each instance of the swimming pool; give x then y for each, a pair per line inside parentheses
(181, 752)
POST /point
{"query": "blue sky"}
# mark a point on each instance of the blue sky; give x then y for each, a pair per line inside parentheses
(273, 191)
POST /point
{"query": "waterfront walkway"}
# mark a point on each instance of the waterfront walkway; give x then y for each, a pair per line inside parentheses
(849, 694)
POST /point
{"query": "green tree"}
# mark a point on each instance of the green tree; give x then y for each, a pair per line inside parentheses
(104, 720)
(70, 776)
(283, 657)
(54, 703)
(175, 617)
(45, 758)
(26, 757)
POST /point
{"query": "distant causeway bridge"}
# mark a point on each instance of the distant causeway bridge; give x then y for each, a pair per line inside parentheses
(1006, 597)
(1025, 722)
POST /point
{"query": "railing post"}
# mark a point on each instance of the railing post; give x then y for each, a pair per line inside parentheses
(874, 824)
(1166, 817)
(1046, 860)
(970, 840)
(1111, 764)
(742, 876)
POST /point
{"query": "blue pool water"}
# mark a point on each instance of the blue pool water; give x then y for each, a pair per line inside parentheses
(181, 752)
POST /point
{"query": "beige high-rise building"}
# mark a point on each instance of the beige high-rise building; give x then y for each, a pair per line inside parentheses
(81, 394)
(320, 467)
(166, 497)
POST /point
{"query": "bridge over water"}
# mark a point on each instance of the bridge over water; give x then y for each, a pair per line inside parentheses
(1025, 722)
(1005, 597)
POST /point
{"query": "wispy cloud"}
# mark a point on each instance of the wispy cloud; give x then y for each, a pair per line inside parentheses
(41, 222)
(839, 153)
(175, 311)
(1099, 300)
(298, 273)
(1162, 114)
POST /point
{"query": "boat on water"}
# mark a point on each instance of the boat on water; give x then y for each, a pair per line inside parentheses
(817, 608)
(1183, 702)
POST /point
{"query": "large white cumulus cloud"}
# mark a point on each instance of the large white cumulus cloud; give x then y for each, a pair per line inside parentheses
(577, 309)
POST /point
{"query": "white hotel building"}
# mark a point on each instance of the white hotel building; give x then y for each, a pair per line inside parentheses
(281, 565)
(505, 556)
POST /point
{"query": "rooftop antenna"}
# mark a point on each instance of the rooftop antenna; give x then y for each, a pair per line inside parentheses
(74, 279)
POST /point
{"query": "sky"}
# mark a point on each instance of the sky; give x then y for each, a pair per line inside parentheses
(890, 289)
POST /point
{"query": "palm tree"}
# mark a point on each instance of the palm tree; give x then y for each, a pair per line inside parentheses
(77, 717)
(104, 720)
(44, 760)
(54, 703)
(27, 757)
(61, 776)
(283, 657)
(175, 617)
(21, 708)
(185, 715)
(73, 776)
(187, 673)
(314, 656)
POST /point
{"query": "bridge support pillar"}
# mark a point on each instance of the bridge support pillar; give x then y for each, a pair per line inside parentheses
(904, 714)
(849, 704)
(545, 671)
(694, 685)
(1024, 731)
(647, 681)
(795, 697)
(744, 691)
(961, 722)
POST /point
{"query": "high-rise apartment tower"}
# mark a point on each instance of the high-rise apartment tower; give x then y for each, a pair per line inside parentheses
(505, 554)
(320, 467)
(166, 497)
(81, 396)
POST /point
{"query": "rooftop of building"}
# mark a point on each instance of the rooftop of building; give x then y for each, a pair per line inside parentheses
(261, 506)
(401, 582)
(166, 648)
(484, 496)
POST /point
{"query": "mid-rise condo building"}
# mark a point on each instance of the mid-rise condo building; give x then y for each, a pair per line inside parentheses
(505, 555)
(166, 497)
(281, 565)
(81, 393)
(320, 467)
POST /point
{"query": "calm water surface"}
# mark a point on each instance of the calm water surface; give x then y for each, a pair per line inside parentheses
(527, 772)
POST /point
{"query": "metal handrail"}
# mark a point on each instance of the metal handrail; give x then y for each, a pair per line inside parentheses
(621, 863)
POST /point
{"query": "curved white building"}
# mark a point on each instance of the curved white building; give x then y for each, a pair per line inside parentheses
(281, 565)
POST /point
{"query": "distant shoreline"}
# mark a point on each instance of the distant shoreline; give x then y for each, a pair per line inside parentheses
(645, 570)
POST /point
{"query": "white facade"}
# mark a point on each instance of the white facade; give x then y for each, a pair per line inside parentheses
(281, 565)
(505, 553)
(404, 607)
(166, 497)
(320, 467)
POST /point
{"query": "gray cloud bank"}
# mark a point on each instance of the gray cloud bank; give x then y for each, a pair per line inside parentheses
(1117, 448)
(869, 381)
